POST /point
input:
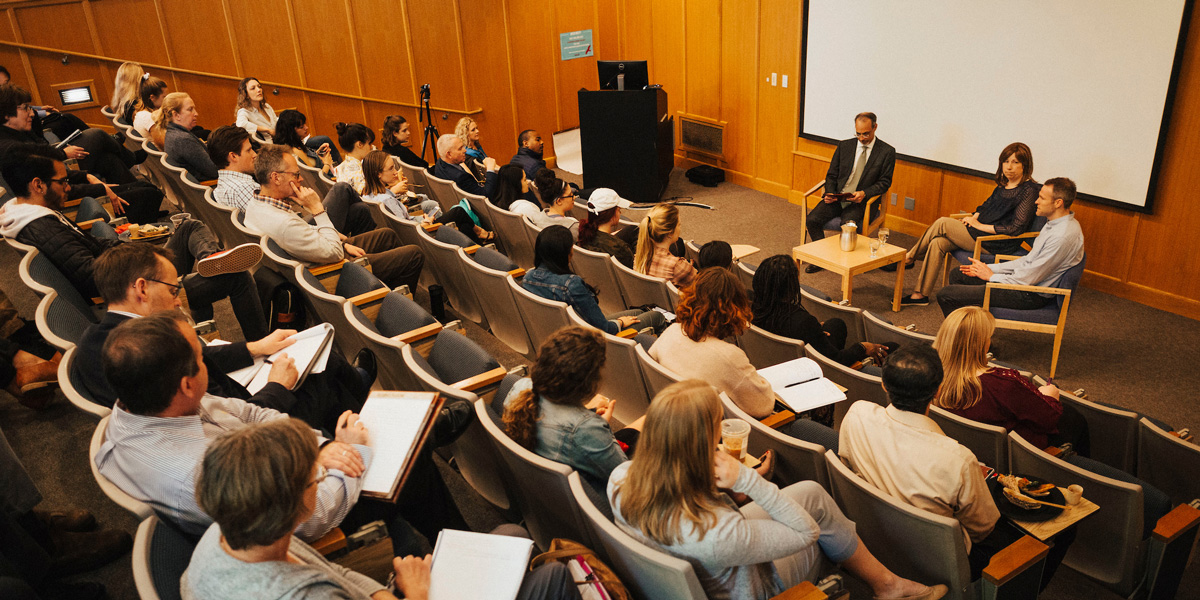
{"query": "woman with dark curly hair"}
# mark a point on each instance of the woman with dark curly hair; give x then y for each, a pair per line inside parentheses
(551, 411)
(713, 309)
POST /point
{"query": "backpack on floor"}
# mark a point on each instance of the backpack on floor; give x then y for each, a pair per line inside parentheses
(283, 303)
(705, 175)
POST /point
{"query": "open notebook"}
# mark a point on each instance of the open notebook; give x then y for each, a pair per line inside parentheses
(310, 351)
(479, 566)
(398, 423)
(800, 384)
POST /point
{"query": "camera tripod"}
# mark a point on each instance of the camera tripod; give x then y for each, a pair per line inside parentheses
(431, 132)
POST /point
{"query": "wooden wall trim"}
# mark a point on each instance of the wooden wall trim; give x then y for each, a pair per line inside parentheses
(233, 43)
(301, 88)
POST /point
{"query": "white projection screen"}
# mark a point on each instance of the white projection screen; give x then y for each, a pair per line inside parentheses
(1088, 84)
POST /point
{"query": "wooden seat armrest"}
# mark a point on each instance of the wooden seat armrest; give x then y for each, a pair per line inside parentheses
(627, 333)
(1013, 560)
(778, 419)
(320, 270)
(209, 183)
(97, 300)
(471, 249)
(430, 227)
(517, 272)
(331, 542)
(369, 297)
(420, 333)
(814, 189)
(87, 225)
(481, 380)
(960, 215)
(70, 203)
(1054, 451)
(805, 590)
(1176, 523)
(1041, 289)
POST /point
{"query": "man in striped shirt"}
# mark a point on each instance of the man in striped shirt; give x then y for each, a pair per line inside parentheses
(165, 419)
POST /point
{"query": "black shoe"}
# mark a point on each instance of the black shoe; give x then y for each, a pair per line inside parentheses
(910, 301)
(810, 269)
(366, 366)
(79, 552)
(892, 267)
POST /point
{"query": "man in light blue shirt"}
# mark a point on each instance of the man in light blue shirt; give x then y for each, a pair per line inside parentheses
(1055, 250)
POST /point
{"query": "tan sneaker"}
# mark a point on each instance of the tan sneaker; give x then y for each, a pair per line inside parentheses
(235, 260)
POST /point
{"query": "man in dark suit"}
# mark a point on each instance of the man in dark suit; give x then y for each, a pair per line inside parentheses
(138, 279)
(862, 167)
(451, 165)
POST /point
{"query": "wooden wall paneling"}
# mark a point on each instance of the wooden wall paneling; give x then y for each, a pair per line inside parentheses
(532, 43)
(779, 48)
(807, 171)
(703, 41)
(737, 81)
(383, 56)
(959, 192)
(607, 33)
(485, 44)
(48, 69)
(576, 73)
(638, 37)
(1109, 237)
(435, 42)
(214, 98)
(11, 58)
(924, 184)
(264, 48)
(326, 48)
(327, 110)
(198, 38)
(668, 68)
(129, 29)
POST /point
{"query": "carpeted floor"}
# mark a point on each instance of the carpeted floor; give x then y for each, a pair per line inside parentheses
(1120, 351)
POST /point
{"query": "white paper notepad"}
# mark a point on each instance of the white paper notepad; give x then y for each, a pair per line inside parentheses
(801, 386)
(479, 566)
(396, 424)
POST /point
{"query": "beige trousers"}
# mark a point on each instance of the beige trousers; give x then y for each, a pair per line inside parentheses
(939, 240)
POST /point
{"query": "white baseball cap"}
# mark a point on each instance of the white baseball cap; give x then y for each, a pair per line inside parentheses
(603, 199)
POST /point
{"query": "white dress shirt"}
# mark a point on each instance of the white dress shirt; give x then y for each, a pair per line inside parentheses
(907, 456)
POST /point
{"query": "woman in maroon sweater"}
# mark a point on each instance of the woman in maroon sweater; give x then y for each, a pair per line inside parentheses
(996, 395)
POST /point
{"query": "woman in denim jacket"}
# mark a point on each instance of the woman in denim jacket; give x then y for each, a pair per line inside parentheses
(551, 278)
(551, 411)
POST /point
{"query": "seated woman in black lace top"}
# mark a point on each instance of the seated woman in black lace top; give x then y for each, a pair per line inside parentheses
(1009, 211)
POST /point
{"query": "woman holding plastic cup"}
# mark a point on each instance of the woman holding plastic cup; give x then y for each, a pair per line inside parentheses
(668, 498)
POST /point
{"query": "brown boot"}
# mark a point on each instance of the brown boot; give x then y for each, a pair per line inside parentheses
(33, 386)
(79, 552)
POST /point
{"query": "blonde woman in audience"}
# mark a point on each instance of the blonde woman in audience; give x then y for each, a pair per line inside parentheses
(127, 88)
(468, 131)
(356, 140)
(657, 231)
(176, 119)
(253, 113)
(669, 497)
(154, 90)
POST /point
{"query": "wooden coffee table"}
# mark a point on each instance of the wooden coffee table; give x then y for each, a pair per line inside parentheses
(828, 254)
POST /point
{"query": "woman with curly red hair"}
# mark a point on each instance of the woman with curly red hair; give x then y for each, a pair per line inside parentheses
(713, 309)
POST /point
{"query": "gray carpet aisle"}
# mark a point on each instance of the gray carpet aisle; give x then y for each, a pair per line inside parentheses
(1120, 351)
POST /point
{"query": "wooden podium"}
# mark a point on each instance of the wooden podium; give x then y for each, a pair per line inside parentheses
(627, 142)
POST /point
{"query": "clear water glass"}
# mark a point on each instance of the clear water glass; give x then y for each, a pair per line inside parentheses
(884, 232)
(875, 246)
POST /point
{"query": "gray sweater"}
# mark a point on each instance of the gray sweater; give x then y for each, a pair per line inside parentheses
(215, 575)
(186, 150)
(733, 558)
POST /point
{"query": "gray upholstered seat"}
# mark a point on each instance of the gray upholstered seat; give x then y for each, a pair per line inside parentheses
(765, 349)
(161, 553)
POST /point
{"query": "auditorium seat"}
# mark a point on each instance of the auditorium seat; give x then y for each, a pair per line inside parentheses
(596, 269)
(442, 190)
(657, 376)
(140, 509)
(819, 305)
(415, 175)
(745, 274)
(988, 443)
(313, 180)
(540, 488)
(447, 260)
(542, 317)
(1113, 546)
(639, 289)
(1114, 430)
(765, 349)
(859, 385)
(478, 204)
(400, 322)
(648, 573)
(879, 330)
(327, 304)
(795, 459)
(511, 231)
(60, 322)
(73, 389)
(161, 554)
(1168, 462)
(504, 317)
(622, 379)
(922, 546)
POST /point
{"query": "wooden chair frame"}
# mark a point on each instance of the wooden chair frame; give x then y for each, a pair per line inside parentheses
(868, 204)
